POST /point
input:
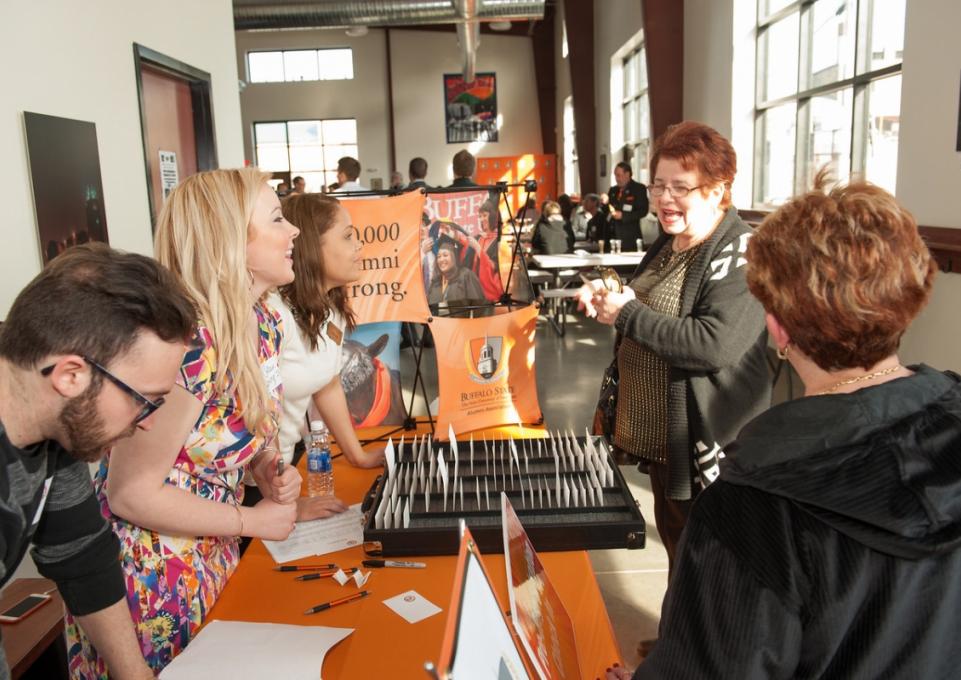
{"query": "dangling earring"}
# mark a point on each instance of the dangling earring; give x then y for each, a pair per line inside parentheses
(250, 280)
(782, 353)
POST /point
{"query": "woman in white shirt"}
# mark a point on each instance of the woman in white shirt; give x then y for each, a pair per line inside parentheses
(316, 316)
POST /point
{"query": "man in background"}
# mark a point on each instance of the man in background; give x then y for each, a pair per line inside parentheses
(629, 205)
(348, 172)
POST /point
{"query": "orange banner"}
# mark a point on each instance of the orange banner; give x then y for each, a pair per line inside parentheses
(485, 370)
(391, 287)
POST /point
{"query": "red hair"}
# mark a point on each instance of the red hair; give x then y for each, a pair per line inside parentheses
(845, 272)
(700, 148)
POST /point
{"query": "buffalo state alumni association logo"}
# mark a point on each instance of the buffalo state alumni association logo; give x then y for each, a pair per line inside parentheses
(484, 358)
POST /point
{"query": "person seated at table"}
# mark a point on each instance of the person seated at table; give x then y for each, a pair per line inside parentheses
(585, 212)
(552, 234)
(453, 286)
(316, 317)
(173, 494)
(830, 547)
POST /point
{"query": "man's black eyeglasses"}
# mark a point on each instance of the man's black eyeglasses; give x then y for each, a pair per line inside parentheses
(147, 406)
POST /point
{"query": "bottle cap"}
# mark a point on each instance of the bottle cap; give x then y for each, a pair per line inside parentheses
(317, 425)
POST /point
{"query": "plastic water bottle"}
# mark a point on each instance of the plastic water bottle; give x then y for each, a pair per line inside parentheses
(320, 472)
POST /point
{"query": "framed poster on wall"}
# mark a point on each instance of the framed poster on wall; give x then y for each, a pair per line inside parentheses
(470, 108)
(67, 188)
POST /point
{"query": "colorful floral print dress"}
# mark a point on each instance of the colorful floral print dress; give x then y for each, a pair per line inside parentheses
(174, 581)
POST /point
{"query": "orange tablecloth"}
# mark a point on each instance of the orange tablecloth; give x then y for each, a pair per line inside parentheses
(383, 644)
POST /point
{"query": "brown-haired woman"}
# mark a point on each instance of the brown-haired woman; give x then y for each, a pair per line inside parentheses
(831, 544)
(692, 343)
(316, 316)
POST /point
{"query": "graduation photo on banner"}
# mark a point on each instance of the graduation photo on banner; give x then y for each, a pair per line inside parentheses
(485, 371)
(389, 288)
(461, 253)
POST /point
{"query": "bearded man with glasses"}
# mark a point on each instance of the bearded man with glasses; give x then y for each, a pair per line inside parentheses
(87, 353)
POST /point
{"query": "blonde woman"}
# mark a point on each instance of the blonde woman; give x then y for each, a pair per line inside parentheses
(173, 493)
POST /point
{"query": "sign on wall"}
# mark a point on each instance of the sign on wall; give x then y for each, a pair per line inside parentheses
(67, 188)
(471, 108)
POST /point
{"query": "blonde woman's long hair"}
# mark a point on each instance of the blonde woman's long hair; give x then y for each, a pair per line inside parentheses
(202, 234)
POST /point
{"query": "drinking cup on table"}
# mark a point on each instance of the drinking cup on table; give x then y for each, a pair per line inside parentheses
(600, 246)
(640, 245)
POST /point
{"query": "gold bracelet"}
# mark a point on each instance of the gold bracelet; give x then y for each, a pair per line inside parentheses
(240, 516)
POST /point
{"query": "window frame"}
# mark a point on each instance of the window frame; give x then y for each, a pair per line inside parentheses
(323, 144)
(859, 83)
(283, 62)
(637, 149)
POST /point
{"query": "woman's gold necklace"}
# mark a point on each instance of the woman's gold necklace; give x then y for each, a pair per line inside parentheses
(861, 378)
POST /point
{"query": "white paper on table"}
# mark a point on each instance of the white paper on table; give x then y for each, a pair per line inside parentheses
(400, 451)
(412, 606)
(390, 455)
(361, 577)
(407, 509)
(487, 495)
(462, 495)
(567, 494)
(472, 454)
(341, 577)
(320, 536)
(270, 650)
(432, 470)
(427, 498)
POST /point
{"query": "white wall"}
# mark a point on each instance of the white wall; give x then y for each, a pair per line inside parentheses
(419, 60)
(929, 168)
(615, 22)
(708, 53)
(363, 98)
(66, 60)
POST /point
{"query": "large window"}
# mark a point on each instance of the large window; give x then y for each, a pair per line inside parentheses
(310, 148)
(572, 179)
(828, 93)
(636, 112)
(300, 65)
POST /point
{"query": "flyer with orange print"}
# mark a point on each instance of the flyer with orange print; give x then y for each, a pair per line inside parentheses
(485, 369)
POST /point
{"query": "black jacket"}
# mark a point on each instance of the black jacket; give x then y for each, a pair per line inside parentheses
(716, 350)
(829, 547)
(633, 204)
(552, 236)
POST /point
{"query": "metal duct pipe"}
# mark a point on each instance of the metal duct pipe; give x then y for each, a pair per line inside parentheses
(278, 14)
(468, 34)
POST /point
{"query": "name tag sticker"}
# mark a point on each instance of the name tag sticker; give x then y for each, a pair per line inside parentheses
(271, 370)
(627, 207)
(334, 333)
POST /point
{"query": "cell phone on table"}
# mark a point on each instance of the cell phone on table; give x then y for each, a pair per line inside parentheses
(24, 607)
